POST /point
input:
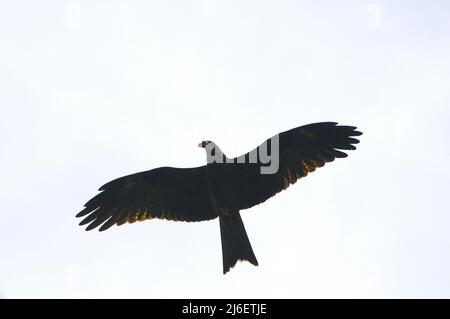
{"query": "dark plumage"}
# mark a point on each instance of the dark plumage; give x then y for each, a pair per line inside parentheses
(219, 189)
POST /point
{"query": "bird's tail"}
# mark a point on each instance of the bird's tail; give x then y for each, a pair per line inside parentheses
(235, 243)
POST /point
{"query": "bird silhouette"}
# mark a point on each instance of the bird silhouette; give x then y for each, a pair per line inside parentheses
(221, 188)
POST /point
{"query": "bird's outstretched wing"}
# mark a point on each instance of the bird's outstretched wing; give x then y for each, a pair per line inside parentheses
(165, 193)
(301, 151)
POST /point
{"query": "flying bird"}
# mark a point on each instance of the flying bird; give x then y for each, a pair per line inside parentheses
(221, 188)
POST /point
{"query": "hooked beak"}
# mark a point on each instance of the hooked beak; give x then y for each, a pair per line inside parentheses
(200, 145)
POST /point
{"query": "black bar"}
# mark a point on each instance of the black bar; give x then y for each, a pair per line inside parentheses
(233, 308)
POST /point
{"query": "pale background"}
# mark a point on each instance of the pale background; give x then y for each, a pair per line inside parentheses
(93, 90)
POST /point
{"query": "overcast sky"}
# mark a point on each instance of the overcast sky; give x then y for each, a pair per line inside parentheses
(93, 90)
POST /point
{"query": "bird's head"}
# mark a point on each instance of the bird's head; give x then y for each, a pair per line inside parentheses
(213, 152)
(206, 144)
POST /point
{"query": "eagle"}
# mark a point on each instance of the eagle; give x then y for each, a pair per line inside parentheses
(221, 188)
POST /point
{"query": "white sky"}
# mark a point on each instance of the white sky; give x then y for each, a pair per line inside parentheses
(93, 90)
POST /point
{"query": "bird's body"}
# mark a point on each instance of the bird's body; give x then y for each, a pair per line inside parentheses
(225, 198)
(222, 188)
